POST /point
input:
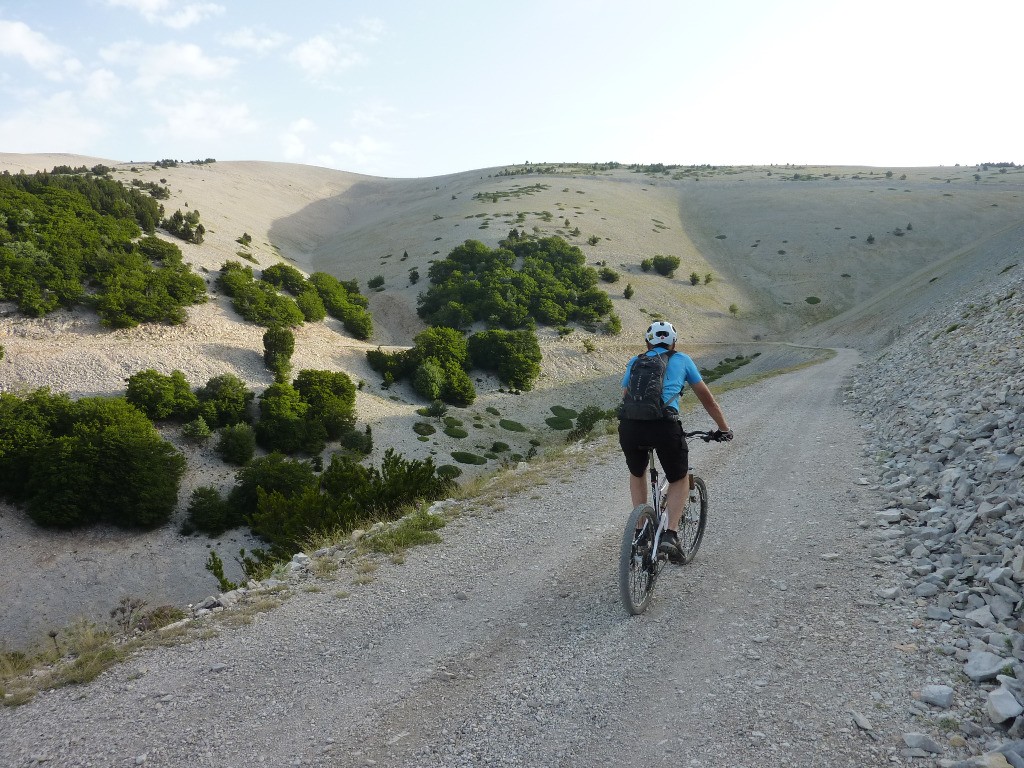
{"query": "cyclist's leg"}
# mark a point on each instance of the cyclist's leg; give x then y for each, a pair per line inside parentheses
(675, 500)
(674, 457)
(630, 436)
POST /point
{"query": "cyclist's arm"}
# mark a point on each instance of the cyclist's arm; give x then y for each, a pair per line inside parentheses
(700, 389)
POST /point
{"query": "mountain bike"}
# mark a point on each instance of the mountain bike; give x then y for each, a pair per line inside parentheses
(640, 563)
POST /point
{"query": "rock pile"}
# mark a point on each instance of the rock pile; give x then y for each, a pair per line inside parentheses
(944, 408)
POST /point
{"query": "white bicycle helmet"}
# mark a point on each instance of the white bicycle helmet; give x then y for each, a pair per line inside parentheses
(661, 333)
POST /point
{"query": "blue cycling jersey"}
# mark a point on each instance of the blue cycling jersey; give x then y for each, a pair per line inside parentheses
(680, 371)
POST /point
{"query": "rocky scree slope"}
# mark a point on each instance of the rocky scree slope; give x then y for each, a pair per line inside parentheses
(944, 420)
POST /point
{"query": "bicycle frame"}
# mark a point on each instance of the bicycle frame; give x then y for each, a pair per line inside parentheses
(659, 492)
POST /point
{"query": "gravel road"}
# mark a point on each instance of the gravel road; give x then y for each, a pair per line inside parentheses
(507, 645)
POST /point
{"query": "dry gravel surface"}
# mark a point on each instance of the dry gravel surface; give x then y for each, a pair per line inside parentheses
(507, 645)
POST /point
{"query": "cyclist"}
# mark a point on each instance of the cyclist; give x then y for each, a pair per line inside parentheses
(665, 434)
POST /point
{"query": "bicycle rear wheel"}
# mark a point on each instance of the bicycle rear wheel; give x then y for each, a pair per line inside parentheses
(638, 564)
(694, 521)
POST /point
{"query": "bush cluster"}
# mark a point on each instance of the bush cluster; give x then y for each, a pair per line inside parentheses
(74, 463)
(514, 356)
(185, 226)
(285, 502)
(343, 301)
(302, 416)
(257, 300)
(221, 401)
(436, 364)
(61, 232)
(552, 285)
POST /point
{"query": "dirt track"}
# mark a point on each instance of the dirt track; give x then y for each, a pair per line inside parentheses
(507, 644)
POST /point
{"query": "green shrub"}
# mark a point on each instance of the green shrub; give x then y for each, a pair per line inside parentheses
(550, 279)
(343, 301)
(331, 397)
(499, 447)
(375, 283)
(208, 512)
(665, 265)
(588, 417)
(514, 356)
(812, 300)
(257, 300)
(285, 424)
(563, 413)
(492, 410)
(456, 432)
(196, 431)
(449, 471)
(236, 444)
(224, 400)
(423, 429)
(608, 274)
(311, 305)
(278, 346)
(285, 277)
(647, 265)
(161, 397)
(358, 441)
(100, 461)
(511, 426)
(271, 473)
(464, 457)
(628, 291)
(428, 379)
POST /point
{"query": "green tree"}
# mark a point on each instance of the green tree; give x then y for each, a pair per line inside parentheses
(628, 291)
(278, 346)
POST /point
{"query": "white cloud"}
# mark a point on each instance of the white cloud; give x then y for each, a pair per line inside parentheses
(21, 41)
(257, 41)
(320, 57)
(170, 13)
(293, 145)
(362, 152)
(170, 62)
(201, 118)
(51, 124)
(102, 85)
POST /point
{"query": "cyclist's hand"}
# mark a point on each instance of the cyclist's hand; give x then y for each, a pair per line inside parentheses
(722, 437)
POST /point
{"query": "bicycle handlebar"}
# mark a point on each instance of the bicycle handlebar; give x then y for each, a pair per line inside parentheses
(703, 434)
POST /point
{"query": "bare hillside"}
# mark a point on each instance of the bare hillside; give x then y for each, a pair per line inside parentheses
(357, 227)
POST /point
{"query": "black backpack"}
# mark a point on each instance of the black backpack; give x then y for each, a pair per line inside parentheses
(642, 401)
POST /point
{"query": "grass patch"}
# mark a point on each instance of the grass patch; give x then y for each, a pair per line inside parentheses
(813, 300)
(423, 429)
(511, 426)
(456, 432)
(412, 530)
(563, 413)
(558, 422)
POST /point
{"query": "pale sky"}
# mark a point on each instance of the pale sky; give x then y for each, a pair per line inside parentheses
(409, 88)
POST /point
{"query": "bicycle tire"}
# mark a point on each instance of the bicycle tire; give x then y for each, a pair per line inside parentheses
(694, 521)
(638, 564)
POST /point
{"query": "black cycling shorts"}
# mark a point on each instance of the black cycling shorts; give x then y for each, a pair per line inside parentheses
(665, 436)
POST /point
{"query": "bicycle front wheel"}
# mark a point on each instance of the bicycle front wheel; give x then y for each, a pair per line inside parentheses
(694, 521)
(638, 564)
